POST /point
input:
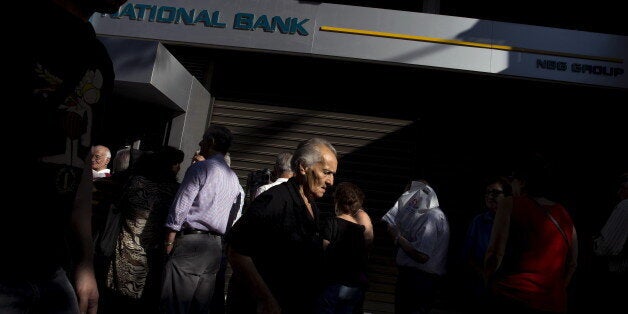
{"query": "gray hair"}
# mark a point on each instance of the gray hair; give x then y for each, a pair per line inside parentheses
(282, 163)
(309, 152)
(122, 159)
(107, 151)
(125, 158)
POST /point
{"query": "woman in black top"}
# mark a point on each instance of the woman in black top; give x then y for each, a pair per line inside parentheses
(345, 252)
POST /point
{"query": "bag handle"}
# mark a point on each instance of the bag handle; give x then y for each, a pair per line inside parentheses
(555, 222)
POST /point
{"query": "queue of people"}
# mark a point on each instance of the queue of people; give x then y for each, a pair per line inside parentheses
(285, 259)
(171, 240)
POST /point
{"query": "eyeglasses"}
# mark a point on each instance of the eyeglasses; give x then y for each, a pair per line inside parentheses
(494, 193)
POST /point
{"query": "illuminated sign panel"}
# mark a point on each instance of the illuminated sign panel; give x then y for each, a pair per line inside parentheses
(377, 35)
(241, 20)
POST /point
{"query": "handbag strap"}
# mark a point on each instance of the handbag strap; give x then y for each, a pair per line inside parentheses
(553, 220)
(562, 232)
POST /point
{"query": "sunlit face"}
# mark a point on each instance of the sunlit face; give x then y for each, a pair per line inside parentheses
(99, 158)
(320, 176)
(492, 194)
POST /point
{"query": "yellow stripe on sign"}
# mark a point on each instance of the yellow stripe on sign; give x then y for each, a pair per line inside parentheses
(465, 43)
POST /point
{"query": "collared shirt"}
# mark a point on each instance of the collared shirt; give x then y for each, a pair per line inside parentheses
(478, 237)
(612, 239)
(419, 219)
(205, 197)
(265, 187)
(283, 240)
(101, 173)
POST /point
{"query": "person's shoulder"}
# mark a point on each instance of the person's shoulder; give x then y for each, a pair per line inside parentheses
(276, 189)
(436, 213)
(479, 218)
(197, 166)
(270, 203)
(263, 188)
(362, 214)
(355, 225)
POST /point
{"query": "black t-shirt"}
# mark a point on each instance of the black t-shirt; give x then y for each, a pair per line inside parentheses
(71, 75)
(283, 240)
(346, 255)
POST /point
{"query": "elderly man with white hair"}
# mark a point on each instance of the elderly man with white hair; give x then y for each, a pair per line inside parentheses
(101, 155)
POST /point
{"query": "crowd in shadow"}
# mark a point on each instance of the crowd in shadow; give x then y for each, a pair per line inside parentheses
(151, 244)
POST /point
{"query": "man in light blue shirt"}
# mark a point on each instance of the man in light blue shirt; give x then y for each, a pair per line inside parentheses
(197, 220)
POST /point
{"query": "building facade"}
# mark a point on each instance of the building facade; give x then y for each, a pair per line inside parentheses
(400, 94)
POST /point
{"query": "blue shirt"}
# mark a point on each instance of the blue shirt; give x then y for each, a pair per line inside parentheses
(205, 197)
(478, 236)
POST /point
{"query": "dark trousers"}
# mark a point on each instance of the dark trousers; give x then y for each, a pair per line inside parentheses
(190, 274)
(53, 295)
(416, 291)
(218, 301)
(339, 299)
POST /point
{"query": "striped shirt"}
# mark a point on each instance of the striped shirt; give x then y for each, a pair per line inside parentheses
(205, 197)
(613, 237)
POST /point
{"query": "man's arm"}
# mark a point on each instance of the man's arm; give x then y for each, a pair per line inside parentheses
(406, 246)
(85, 280)
(169, 242)
(266, 302)
(499, 237)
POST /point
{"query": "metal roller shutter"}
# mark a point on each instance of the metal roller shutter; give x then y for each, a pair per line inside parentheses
(377, 154)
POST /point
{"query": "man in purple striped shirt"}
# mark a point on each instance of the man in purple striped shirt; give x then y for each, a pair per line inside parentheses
(197, 220)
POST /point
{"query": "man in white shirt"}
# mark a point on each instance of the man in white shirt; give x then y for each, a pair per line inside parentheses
(282, 172)
(613, 236)
(100, 159)
(612, 245)
(421, 232)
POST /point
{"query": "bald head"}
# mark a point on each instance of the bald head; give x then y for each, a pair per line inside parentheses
(100, 157)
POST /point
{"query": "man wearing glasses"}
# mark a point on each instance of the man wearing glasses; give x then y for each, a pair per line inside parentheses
(477, 240)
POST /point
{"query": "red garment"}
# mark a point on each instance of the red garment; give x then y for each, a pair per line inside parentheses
(534, 267)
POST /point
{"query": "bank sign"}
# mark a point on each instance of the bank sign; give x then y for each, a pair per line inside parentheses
(207, 18)
(326, 30)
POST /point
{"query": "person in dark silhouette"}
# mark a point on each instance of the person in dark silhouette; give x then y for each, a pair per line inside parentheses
(275, 248)
(476, 243)
(70, 76)
(346, 253)
(533, 248)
